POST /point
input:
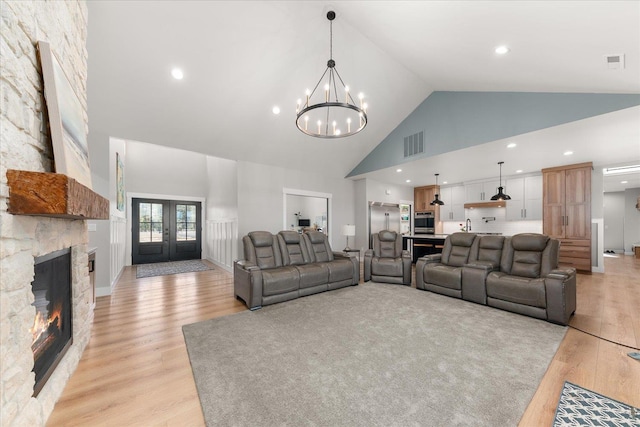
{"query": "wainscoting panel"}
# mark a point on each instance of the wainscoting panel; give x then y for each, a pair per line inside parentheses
(221, 241)
(118, 245)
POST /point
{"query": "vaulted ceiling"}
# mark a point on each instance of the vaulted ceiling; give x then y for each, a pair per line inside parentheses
(241, 58)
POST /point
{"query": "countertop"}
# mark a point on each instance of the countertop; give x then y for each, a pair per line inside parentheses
(444, 236)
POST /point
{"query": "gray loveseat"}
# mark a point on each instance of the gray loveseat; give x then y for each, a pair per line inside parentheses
(518, 274)
(289, 265)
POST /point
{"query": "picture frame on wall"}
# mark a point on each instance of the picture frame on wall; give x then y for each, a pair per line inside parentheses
(119, 183)
(66, 120)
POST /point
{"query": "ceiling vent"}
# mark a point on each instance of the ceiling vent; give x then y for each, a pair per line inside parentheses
(615, 62)
(414, 144)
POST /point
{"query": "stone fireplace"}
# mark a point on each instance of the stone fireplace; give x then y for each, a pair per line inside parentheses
(25, 145)
(52, 330)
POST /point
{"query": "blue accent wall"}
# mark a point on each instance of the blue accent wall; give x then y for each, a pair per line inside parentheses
(456, 120)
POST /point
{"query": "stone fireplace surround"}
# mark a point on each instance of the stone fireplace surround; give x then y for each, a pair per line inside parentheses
(24, 145)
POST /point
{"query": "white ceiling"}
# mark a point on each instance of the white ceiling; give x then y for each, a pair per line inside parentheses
(240, 58)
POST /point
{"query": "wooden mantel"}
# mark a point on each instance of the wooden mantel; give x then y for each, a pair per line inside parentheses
(53, 195)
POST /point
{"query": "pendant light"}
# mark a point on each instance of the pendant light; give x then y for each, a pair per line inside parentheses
(436, 200)
(500, 195)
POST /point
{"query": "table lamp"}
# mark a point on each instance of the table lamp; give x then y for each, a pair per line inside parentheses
(348, 230)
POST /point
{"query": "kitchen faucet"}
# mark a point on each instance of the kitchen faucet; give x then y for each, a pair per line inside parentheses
(468, 224)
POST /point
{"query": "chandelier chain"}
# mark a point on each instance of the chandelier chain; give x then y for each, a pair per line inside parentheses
(330, 39)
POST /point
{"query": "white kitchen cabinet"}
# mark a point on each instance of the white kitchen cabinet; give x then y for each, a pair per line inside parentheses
(453, 198)
(526, 198)
(481, 191)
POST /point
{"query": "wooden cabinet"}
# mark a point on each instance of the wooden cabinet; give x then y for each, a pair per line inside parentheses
(481, 191)
(567, 212)
(526, 198)
(422, 196)
(453, 208)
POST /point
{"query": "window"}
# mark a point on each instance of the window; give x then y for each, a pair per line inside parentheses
(185, 222)
(150, 222)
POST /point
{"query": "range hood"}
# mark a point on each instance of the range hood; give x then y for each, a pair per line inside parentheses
(491, 204)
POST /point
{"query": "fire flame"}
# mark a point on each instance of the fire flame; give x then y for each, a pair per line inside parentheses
(41, 325)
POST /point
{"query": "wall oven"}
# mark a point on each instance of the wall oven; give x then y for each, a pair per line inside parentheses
(424, 223)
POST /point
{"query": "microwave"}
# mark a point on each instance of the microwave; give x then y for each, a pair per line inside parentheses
(424, 223)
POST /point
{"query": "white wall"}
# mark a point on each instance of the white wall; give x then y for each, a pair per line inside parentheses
(261, 198)
(361, 210)
(156, 169)
(631, 219)
(109, 237)
(614, 213)
(221, 227)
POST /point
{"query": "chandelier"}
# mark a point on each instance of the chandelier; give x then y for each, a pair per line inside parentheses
(334, 114)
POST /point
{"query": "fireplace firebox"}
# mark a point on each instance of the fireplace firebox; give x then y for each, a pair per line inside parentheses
(52, 326)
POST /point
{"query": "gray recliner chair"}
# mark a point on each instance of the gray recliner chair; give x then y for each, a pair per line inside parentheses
(387, 262)
(442, 273)
(529, 281)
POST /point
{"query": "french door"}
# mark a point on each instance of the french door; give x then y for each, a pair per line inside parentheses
(165, 230)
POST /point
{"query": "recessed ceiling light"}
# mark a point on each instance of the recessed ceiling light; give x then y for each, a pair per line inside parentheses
(444, 182)
(408, 180)
(276, 109)
(398, 170)
(501, 50)
(624, 182)
(519, 171)
(512, 145)
(177, 74)
(568, 153)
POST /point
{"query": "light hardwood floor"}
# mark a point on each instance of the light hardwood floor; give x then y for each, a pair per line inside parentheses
(135, 370)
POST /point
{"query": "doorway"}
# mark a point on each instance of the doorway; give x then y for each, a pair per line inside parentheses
(311, 206)
(165, 230)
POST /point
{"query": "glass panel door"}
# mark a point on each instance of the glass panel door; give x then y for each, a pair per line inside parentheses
(150, 231)
(165, 230)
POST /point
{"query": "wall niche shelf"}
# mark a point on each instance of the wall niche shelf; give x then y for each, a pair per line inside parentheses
(53, 195)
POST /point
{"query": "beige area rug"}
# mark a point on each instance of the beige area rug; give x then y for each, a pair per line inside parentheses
(370, 355)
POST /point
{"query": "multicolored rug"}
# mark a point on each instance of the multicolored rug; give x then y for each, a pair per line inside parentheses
(175, 267)
(581, 407)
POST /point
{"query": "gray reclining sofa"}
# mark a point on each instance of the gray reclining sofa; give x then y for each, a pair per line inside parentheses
(289, 265)
(518, 274)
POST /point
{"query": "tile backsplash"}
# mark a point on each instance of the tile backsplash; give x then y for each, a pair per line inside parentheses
(499, 225)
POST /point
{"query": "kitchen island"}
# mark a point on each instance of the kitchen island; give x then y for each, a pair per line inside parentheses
(423, 244)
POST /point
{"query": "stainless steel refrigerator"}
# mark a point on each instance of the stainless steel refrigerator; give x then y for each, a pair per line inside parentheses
(388, 216)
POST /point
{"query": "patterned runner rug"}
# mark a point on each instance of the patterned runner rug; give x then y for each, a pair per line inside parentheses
(175, 267)
(581, 407)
